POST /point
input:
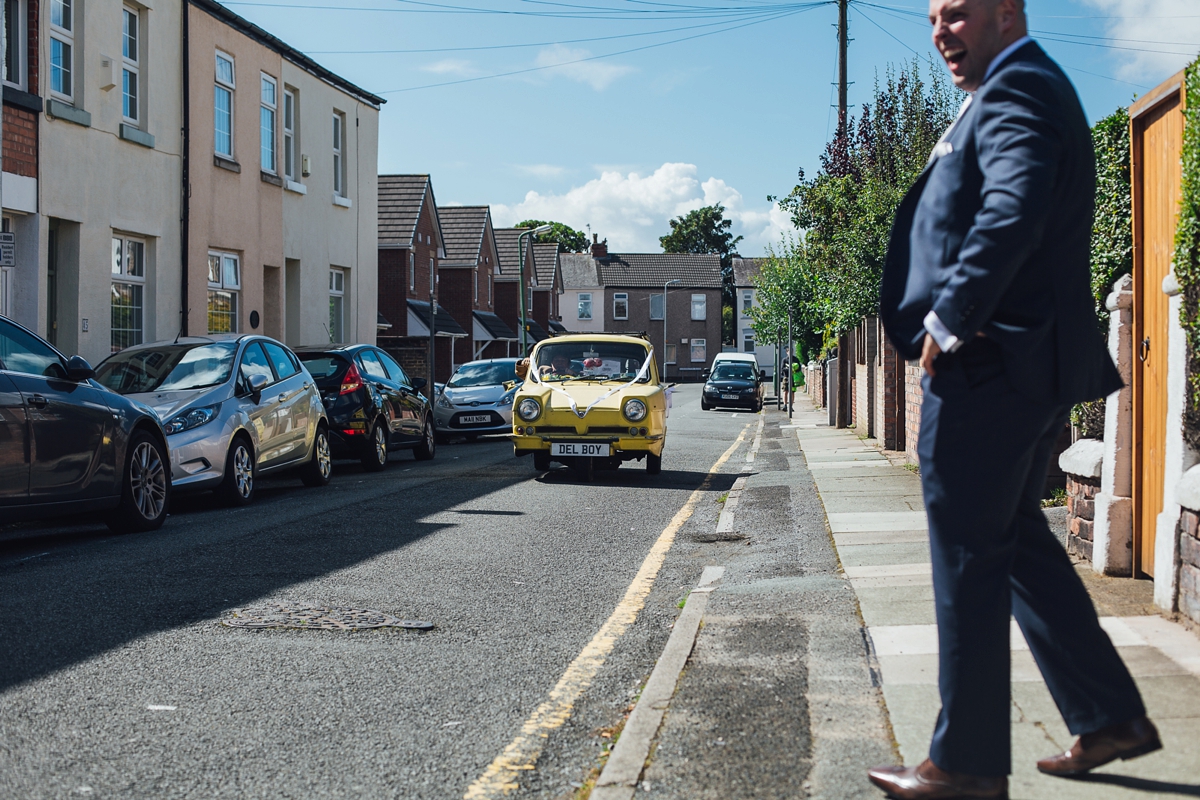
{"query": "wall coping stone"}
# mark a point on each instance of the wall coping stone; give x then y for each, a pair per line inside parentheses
(1122, 294)
(25, 100)
(1084, 458)
(1187, 491)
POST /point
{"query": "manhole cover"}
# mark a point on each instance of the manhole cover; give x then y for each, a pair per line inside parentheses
(277, 615)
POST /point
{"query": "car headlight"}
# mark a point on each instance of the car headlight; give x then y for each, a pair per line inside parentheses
(634, 410)
(529, 409)
(192, 418)
(507, 399)
(443, 401)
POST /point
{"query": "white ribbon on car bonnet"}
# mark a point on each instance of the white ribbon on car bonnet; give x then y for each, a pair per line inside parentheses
(533, 371)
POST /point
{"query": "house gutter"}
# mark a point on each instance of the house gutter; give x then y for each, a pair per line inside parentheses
(186, 188)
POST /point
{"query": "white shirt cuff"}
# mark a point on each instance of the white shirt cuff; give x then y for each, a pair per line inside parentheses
(941, 334)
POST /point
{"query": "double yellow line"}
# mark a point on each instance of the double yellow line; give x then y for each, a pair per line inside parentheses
(522, 753)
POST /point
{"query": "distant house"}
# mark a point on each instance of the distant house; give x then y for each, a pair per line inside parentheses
(634, 283)
(745, 297)
(547, 283)
(466, 279)
(508, 282)
(410, 244)
(582, 301)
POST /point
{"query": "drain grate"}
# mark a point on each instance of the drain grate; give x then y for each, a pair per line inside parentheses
(278, 615)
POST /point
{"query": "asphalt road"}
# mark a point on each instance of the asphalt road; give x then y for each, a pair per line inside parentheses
(516, 569)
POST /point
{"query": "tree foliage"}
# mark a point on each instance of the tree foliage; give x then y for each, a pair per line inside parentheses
(846, 210)
(569, 239)
(705, 230)
(785, 288)
(1112, 232)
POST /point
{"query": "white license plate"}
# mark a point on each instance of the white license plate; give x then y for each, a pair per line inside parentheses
(579, 449)
(474, 419)
(730, 397)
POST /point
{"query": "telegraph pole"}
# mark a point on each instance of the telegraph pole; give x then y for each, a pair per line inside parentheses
(843, 47)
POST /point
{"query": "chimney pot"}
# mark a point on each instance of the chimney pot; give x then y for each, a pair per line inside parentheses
(595, 238)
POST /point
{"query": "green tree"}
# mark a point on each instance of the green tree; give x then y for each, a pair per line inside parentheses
(706, 231)
(1112, 230)
(569, 239)
(785, 288)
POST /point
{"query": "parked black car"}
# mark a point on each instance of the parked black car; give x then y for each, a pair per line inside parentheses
(68, 445)
(374, 407)
(733, 384)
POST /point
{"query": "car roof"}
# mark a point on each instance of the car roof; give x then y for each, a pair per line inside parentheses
(734, 357)
(490, 361)
(595, 337)
(329, 348)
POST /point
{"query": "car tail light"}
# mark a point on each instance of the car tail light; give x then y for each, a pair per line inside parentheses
(351, 382)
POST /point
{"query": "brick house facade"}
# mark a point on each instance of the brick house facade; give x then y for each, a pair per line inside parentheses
(508, 284)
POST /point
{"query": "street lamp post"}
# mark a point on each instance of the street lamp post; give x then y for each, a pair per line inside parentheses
(664, 352)
(521, 284)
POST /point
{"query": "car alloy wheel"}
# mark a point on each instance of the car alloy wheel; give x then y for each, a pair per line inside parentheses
(320, 467)
(243, 471)
(376, 456)
(324, 460)
(148, 480)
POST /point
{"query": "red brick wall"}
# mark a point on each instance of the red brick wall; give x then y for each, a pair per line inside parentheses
(20, 142)
(33, 73)
(889, 368)
(913, 396)
(1081, 514)
(425, 247)
(541, 309)
(1189, 570)
(508, 304)
(393, 291)
(456, 295)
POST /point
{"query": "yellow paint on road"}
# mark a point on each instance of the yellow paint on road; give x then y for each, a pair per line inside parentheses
(522, 753)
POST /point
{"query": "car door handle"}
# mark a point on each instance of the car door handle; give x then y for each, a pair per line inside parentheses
(283, 398)
(37, 401)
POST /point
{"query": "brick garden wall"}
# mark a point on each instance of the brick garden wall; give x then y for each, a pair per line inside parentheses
(913, 396)
(1189, 570)
(1081, 514)
(888, 374)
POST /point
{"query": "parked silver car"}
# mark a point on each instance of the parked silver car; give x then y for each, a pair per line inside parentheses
(234, 407)
(477, 399)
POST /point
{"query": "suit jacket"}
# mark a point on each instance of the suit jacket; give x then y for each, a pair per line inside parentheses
(995, 236)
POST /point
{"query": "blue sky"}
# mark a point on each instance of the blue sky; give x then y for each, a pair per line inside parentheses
(625, 143)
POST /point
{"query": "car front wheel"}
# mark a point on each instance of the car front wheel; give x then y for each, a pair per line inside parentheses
(428, 445)
(146, 487)
(653, 464)
(237, 487)
(319, 468)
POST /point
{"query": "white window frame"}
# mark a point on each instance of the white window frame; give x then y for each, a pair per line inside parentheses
(699, 307)
(224, 285)
(339, 153)
(123, 249)
(412, 271)
(748, 339)
(19, 45)
(671, 354)
(661, 309)
(747, 302)
(583, 297)
(131, 65)
(489, 288)
(337, 292)
(268, 110)
(623, 299)
(230, 86)
(65, 36)
(476, 278)
(290, 113)
(701, 345)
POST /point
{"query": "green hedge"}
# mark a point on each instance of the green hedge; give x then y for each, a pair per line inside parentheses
(1187, 248)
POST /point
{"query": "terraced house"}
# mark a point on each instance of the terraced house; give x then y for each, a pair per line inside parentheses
(466, 280)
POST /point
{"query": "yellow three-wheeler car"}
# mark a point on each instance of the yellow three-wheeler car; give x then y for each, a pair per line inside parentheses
(591, 401)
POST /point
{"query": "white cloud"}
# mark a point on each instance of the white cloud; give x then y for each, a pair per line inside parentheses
(1151, 22)
(450, 66)
(632, 210)
(541, 170)
(597, 74)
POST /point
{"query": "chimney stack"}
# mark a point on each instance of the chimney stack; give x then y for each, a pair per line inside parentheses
(599, 249)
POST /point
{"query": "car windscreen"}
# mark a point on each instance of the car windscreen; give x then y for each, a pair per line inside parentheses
(483, 374)
(733, 372)
(324, 367)
(169, 368)
(601, 360)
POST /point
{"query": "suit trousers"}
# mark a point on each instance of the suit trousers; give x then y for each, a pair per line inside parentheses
(984, 451)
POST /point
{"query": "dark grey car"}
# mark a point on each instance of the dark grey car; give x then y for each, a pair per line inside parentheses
(68, 445)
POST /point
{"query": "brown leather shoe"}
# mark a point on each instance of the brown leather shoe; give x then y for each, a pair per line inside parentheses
(928, 781)
(1125, 741)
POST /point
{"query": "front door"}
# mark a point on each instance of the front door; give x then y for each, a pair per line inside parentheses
(1157, 144)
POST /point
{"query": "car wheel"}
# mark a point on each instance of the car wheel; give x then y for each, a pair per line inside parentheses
(375, 457)
(541, 460)
(319, 468)
(145, 489)
(704, 406)
(428, 446)
(757, 407)
(237, 487)
(441, 438)
(653, 464)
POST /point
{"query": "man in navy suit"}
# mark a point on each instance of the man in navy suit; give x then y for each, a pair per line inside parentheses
(987, 282)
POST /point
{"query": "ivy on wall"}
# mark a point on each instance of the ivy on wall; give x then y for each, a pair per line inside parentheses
(1187, 249)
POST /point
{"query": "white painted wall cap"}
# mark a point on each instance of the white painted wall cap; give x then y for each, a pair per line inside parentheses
(1084, 458)
(1187, 491)
(1122, 294)
(1170, 284)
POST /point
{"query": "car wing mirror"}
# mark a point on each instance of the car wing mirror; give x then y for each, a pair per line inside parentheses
(256, 384)
(79, 370)
(704, 374)
(418, 384)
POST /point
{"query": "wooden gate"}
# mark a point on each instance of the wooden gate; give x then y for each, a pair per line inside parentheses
(1157, 143)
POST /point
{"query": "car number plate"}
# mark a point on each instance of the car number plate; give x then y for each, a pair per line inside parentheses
(474, 419)
(730, 397)
(579, 449)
